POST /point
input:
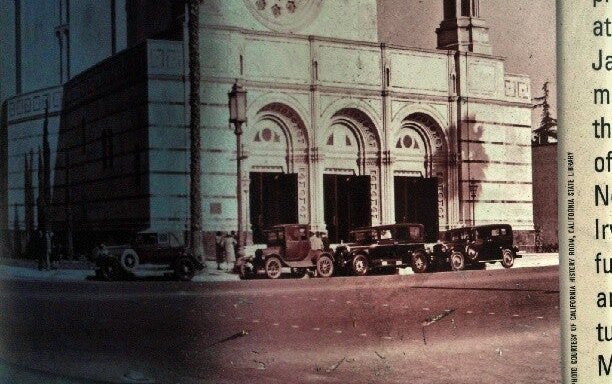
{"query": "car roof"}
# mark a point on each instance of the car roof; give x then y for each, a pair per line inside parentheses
(281, 226)
(486, 226)
(388, 226)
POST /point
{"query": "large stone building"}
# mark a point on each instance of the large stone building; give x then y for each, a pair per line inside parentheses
(343, 130)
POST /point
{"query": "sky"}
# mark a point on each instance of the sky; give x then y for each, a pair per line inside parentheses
(522, 31)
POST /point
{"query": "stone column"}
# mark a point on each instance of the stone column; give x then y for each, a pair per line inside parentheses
(317, 198)
(387, 187)
(315, 157)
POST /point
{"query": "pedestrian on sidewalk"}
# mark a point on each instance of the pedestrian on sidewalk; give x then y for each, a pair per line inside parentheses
(219, 249)
(316, 244)
(229, 242)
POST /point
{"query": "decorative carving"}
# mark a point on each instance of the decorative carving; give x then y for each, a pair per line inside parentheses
(285, 15)
(316, 155)
(374, 196)
(441, 196)
(523, 90)
(34, 103)
(363, 123)
(387, 158)
(430, 128)
(510, 88)
(302, 195)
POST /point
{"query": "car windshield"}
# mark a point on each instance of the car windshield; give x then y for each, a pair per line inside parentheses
(275, 237)
(146, 239)
(363, 237)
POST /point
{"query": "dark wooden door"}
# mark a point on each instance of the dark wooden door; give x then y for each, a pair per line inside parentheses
(273, 200)
(347, 205)
(416, 201)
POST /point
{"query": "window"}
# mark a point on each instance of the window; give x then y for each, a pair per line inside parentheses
(162, 238)
(415, 233)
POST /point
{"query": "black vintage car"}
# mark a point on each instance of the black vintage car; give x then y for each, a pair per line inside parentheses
(288, 247)
(149, 253)
(385, 246)
(462, 248)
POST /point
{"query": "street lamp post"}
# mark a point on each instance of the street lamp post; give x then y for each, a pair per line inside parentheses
(473, 189)
(237, 108)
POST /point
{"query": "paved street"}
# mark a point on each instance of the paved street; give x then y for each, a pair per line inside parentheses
(493, 326)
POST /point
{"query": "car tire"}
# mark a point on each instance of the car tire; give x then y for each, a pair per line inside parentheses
(419, 261)
(184, 269)
(325, 266)
(360, 265)
(273, 267)
(129, 260)
(507, 258)
(244, 273)
(110, 270)
(457, 261)
(298, 273)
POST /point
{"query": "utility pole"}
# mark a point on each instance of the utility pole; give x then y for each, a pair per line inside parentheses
(193, 30)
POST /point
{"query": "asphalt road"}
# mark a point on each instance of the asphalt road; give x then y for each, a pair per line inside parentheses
(493, 326)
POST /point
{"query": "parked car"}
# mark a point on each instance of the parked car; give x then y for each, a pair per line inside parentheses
(163, 252)
(385, 246)
(288, 246)
(463, 248)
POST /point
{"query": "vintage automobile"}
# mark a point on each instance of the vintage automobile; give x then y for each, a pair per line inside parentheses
(471, 247)
(288, 247)
(386, 246)
(150, 252)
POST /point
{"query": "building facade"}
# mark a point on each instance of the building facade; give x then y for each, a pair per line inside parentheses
(343, 131)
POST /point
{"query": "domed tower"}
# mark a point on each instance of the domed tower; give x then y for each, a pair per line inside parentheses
(462, 28)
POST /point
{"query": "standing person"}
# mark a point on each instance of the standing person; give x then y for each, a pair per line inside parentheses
(229, 243)
(324, 239)
(235, 236)
(219, 249)
(316, 244)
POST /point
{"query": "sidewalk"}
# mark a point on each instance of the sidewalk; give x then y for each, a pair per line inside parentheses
(11, 269)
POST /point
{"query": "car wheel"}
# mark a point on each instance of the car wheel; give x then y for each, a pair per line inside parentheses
(325, 266)
(298, 273)
(129, 260)
(457, 261)
(184, 269)
(244, 272)
(507, 258)
(419, 262)
(273, 267)
(360, 265)
(110, 270)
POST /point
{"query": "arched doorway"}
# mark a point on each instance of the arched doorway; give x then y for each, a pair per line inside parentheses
(278, 170)
(420, 173)
(350, 177)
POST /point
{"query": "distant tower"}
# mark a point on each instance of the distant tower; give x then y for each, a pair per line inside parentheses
(462, 28)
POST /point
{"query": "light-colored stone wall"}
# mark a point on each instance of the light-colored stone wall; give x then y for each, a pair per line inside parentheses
(310, 17)
(474, 118)
(25, 119)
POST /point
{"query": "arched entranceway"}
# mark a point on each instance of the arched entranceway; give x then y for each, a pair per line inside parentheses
(420, 173)
(278, 169)
(351, 173)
